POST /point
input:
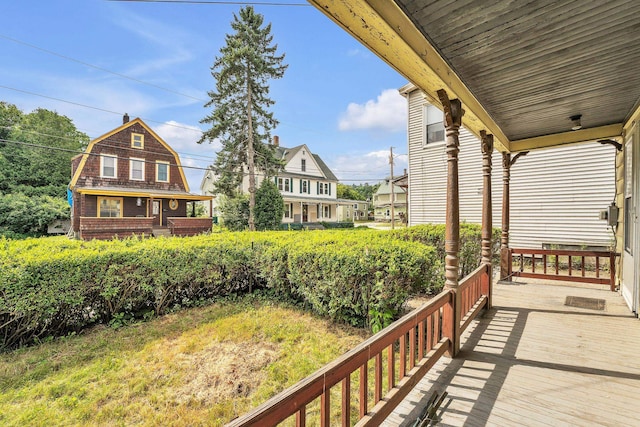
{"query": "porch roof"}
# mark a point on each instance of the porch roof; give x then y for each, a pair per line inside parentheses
(520, 70)
(141, 192)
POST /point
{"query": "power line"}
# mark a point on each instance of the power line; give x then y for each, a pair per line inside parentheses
(183, 155)
(95, 108)
(124, 76)
(68, 150)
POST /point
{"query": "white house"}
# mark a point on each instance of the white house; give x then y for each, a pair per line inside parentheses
(556, 194)
(307, 185)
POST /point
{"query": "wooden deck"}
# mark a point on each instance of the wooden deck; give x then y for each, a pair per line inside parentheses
(533, 361)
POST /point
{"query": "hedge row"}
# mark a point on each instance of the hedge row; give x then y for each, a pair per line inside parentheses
(470, 253)
(54, 286)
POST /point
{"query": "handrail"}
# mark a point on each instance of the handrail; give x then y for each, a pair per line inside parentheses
(428, 323)
(550, 260)
(474, 294)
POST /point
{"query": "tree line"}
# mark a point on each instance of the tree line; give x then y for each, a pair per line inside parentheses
(35, 168)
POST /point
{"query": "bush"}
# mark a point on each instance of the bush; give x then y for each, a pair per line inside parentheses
(470, 251)
(54, 286)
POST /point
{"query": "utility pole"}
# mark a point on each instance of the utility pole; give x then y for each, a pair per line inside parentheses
(393, 214)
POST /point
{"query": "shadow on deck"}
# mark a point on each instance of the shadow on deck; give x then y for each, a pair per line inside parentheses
(532, 360)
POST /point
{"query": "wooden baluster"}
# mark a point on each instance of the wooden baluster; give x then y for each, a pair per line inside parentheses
(612, 271)
(582, 265)
(363, 390)
(346, 401)
(430, 331)
(301, 417)
(533, 263)
(570, 266)
(597, 267)
(557, 264)
(544, 263)
(391, 367)
(421, 332)
(325, 408)
(403, 356)
(378, 379)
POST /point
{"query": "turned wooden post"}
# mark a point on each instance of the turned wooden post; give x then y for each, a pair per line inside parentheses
(453, 113)
(487, 243)
(505, 258)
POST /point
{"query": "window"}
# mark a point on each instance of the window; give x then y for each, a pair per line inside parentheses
(434, 120)
(288, 210)
(347, 214)
(320, 188)
(327, 212)
(136, 169)
(283, 184)
(327, 189)
(137, 140)
(109, 207)
(162, 171)
(304, 186)
(303, 165)
(355, 206)
(108, 166)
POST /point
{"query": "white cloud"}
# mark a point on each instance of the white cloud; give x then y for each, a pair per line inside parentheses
(388, 112)
(369, 167)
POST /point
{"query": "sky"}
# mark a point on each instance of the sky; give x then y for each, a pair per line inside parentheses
(94, 60)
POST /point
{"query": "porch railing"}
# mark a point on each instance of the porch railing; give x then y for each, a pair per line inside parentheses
(574, 266)
(474, 295)
(382, 370)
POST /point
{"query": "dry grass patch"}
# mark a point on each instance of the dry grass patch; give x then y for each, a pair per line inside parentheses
(223, 371)
(202, 366)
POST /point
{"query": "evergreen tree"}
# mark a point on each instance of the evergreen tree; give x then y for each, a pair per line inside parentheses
(269, 206)
(240, 119)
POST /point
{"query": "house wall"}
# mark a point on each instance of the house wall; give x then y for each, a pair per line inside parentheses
(556, 194)
(119, 144)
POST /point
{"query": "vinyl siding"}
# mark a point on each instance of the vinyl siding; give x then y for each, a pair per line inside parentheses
(556, 194)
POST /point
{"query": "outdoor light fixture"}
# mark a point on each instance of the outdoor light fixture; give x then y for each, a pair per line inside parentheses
(138, 201)
(575, 120)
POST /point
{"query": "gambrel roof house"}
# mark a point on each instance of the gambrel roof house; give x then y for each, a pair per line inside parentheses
(130, 181)
(307, 185)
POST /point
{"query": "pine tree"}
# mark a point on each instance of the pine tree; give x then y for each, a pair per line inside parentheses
(241, 119)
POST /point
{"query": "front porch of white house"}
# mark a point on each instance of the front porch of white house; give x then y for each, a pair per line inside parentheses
(301, 210)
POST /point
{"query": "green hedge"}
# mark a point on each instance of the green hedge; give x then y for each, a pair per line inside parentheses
(470, 253)
(54, 286)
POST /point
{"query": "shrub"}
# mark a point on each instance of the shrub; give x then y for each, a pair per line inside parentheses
(54, 286)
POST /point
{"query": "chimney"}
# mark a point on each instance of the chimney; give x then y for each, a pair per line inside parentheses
(125, 119)
(405, 171)
(276, 141)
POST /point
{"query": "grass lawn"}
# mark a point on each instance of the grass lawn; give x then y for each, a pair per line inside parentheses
(201, 366)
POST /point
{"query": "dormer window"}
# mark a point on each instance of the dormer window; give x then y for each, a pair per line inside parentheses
(303, 165)
(137, 140)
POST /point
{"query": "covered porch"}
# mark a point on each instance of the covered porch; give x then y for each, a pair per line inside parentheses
(547, 353)
(520, 78)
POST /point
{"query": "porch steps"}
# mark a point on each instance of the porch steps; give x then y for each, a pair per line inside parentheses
(157, 232)
(313, 226)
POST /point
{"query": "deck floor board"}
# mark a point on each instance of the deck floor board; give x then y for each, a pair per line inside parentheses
(533, 361)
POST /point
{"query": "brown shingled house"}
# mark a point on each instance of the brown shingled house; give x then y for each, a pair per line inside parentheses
(130, 181)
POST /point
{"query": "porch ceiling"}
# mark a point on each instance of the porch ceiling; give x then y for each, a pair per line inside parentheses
(521, 69)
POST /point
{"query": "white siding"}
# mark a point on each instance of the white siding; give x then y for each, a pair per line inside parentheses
(556, 194)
